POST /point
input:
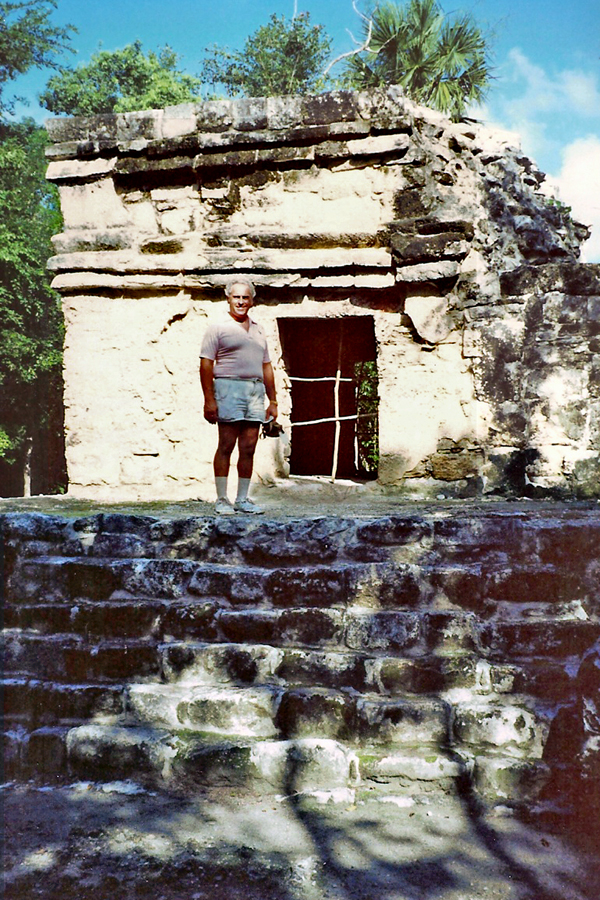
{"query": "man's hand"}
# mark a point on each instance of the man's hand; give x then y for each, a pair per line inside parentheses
(208, 389)
(210, 411)
(269, 382)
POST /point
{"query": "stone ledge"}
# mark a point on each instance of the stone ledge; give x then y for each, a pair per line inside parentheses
(335, 111)
(196, 259)
(581, 279)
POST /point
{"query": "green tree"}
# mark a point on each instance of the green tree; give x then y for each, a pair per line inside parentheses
(279, 58)
(120, 81)
(441, 61)
(31, 325)
(27, 40)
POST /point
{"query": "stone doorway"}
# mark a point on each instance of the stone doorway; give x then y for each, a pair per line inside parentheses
(332, 365)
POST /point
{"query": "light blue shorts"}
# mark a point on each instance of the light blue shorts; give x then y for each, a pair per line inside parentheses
(240, 399)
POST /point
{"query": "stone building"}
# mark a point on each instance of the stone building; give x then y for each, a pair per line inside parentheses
(413, 281)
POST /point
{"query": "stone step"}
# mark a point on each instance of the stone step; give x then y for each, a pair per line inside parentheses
(41, 701)
(221, 710)
(419, 644)
(527, 630)
(404, 652)
(179, 759)
(129, 618)
(429, 674)
(268, 711)
(555, 536)
(183, 760)
(388, 584)
(247, 663)
(71, 660)
(34, 703)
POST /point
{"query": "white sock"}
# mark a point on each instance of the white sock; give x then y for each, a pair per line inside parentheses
(221, 485)
(243, 488)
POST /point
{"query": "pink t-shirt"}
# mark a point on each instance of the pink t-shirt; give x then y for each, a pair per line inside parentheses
(237, 353)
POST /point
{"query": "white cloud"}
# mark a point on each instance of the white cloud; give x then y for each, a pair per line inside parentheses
(547, 109)
(539, 92)
(578, 185)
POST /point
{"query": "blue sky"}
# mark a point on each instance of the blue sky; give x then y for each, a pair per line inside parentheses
(546, 58)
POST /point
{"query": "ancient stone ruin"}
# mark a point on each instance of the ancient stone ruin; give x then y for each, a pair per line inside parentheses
(413, 282)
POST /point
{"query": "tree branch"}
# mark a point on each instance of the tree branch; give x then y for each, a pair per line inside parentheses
(361, 47)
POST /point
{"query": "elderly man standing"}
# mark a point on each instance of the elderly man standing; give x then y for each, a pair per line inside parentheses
(235, 373)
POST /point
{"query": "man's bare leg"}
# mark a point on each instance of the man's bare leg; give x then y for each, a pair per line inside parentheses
(228, 435)
(247, 441)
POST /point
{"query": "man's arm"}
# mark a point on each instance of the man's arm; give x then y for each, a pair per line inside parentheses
(208, 389)
(269, 380)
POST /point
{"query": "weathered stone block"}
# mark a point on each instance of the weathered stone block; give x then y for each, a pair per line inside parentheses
(338, 106)
(308, 586)
(449, 632)
(513, 728)
(110, 749)
(427, 248)
(101, 127)
(192, 621)
(389, 631)
(553, 639)
(168, 578)
(409, 722)
(309, 712)
(330, 669)
(110, 663)
(394, 530)
(410, 204)
(260, 627)
(309, 627)
(412, 771)
(453, 466)
(430, 271)
(309, 764)
(421, 675)
(516, 780)
(45, 752)
(230, 710)
(387, 585)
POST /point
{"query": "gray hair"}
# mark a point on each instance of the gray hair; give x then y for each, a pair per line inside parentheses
(230, 285)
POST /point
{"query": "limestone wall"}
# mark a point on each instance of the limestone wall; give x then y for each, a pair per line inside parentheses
(345, 204)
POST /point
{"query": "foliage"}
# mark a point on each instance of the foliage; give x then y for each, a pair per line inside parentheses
(27, 40)
(31, 326)
(441, 61)
(120, 81)
(280, 58)
(367, 425)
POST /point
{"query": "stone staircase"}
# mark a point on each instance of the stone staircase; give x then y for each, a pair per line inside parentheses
(423, 651)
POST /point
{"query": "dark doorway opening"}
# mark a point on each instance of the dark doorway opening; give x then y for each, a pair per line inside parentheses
(332, 364)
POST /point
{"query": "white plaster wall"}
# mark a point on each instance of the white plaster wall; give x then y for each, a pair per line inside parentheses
(425, 395)
(133, 410)
(134, 403)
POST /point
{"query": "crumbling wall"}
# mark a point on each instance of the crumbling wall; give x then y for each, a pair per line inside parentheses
(344, 204)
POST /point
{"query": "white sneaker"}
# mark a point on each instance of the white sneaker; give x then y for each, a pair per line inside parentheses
(248, 506)
(223, 507)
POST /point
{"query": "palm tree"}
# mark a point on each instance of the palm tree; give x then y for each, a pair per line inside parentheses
(440, 62)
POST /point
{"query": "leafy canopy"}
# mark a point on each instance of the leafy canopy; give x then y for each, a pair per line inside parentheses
(120, 81)
(280, 58)
(31, 327)
(27, 40)
(441, 61)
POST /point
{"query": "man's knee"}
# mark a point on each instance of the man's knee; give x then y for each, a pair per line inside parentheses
(247, 442)
(227, 440)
